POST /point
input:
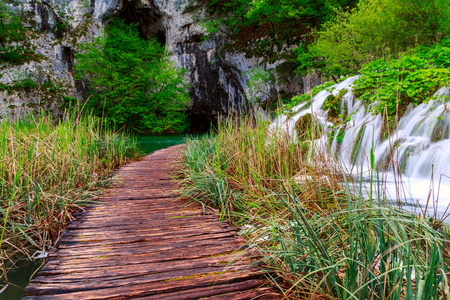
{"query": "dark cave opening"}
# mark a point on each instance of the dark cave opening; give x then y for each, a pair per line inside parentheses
(201, 123)
(148, 20)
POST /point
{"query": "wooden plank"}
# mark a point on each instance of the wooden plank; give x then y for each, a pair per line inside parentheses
(144, 237)
(209, 224)
(140, 289)
(258, 293)
(143, 184)
(204, 239)
(128, 235)
(105, 204)
(155, 257)
(180, 220)
(113, 278)
(145, 248)
(139, 195)
(139, 216)
(138, 210)
(218, 289)
(151, 267)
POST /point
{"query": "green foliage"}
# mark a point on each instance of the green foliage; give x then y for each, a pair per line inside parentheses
(25, 84)
(265, 28)
(413, 78)
(307, 96)
(308, 127)
(132, 82)
(259, 80)
(336, 131)
(333, 104)
(376, 29)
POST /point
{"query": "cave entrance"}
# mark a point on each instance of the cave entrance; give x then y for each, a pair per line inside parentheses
(147, 18)
(201, 123)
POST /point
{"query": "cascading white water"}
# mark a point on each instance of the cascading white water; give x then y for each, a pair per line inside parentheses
(420, 145)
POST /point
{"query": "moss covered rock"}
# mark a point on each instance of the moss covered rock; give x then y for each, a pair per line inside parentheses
(308, 127)
(441, 130)
(333, 105)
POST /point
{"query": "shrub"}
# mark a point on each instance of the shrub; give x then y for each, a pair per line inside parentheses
(132, 82)
(379, 29)
(411, 79)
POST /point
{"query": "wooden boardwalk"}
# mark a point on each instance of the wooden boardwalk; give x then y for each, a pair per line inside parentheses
(141, 242)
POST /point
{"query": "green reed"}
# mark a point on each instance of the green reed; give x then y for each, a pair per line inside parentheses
(48, 168)
(320, 238)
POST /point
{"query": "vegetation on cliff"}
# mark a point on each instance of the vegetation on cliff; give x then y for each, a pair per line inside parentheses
(390, 85)
(375, 29)
(269, 28)
(15, 47)
(413, 78)
(404, 44)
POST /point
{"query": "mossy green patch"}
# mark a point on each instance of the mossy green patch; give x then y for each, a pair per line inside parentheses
(442, 128)
(307, 126)
(333, 105)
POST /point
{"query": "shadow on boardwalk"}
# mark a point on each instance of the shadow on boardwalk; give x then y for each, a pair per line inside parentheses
(141, 242)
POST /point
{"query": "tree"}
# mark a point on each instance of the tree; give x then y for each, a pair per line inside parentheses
(132, 82)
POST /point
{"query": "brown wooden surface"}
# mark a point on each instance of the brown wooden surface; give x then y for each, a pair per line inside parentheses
(141, 242)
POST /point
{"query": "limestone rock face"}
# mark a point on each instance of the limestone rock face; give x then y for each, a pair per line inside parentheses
(52, 70)
(218, 80)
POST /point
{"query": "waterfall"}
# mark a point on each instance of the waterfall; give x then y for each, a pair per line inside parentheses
(419, 145)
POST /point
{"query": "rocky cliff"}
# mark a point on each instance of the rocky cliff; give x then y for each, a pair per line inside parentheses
(218, 80)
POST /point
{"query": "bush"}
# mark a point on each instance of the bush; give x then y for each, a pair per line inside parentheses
(132, 82)
(306, 97)
(411, 79)
(379, 29)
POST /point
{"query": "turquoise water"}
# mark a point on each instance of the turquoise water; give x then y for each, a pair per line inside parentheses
(150, 143)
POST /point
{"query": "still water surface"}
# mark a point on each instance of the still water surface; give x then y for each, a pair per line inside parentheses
(150, 143)
(19, 277)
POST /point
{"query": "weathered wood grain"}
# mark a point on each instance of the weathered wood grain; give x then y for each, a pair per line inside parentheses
(142, 242)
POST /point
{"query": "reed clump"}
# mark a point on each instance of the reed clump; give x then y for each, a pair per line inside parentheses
(48, 169)
(322, 235)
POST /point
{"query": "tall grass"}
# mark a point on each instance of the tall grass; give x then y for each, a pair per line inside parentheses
(321, 238)
(48, 168)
